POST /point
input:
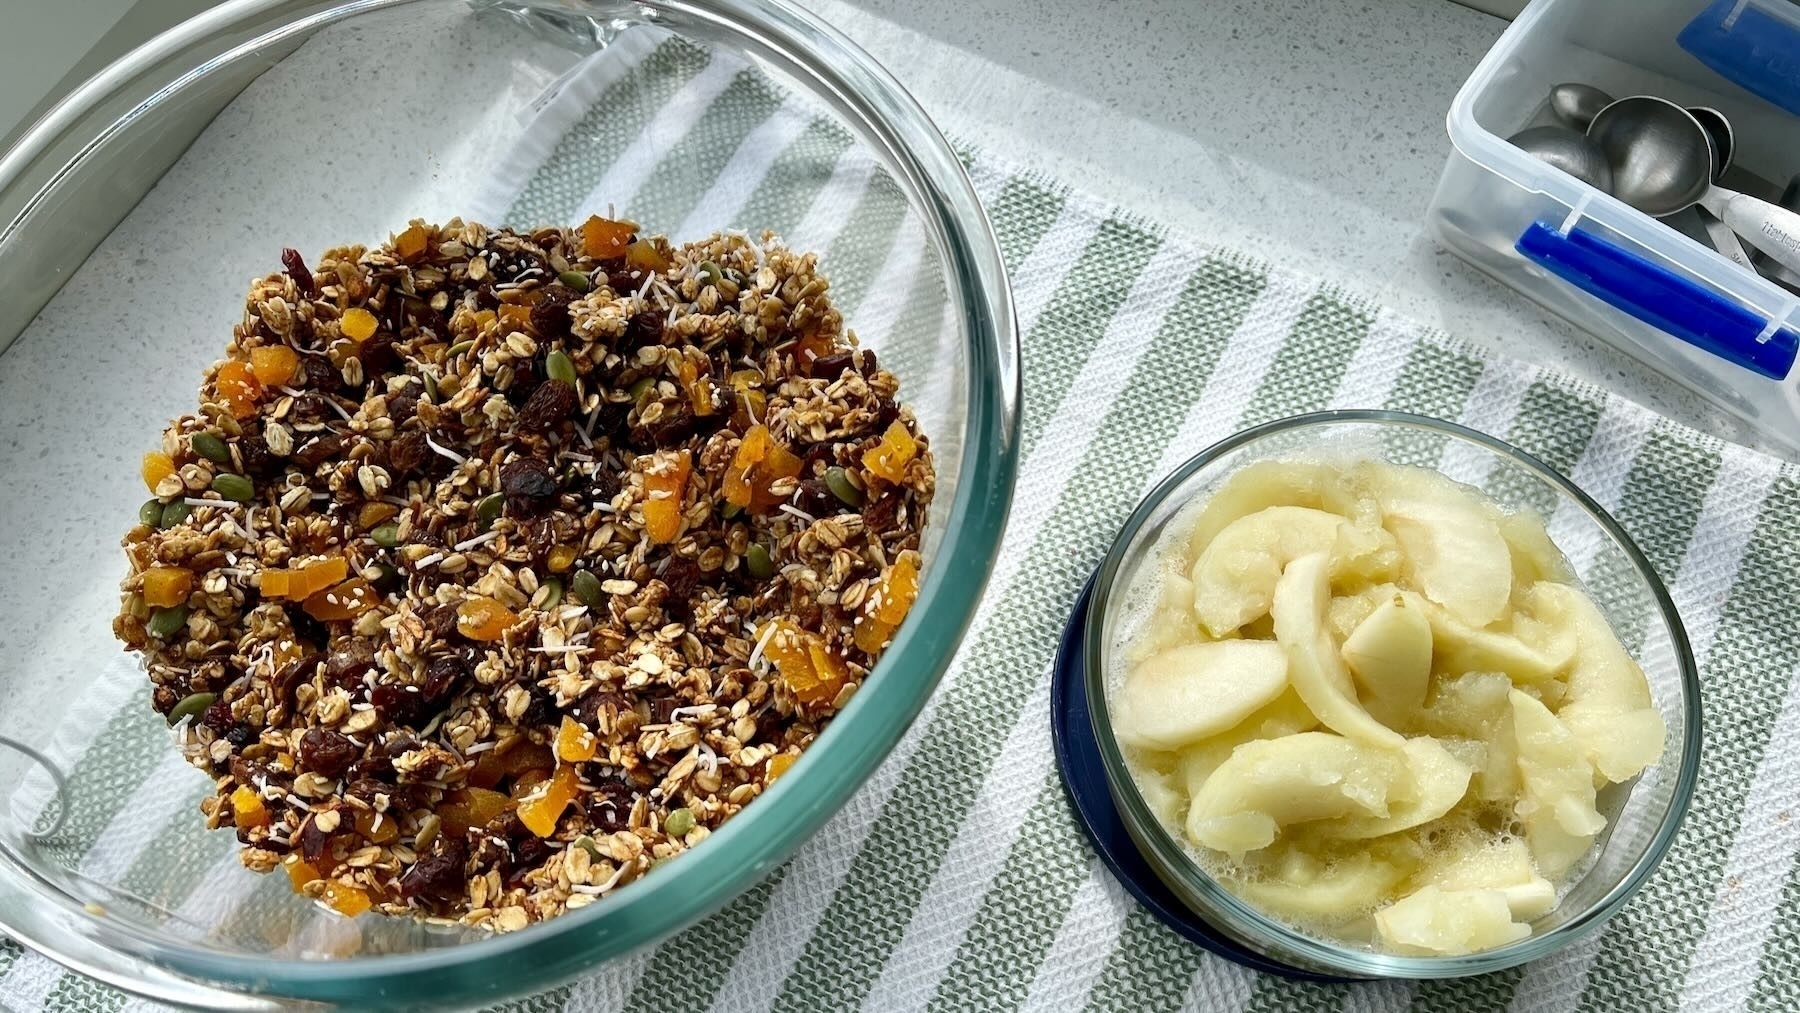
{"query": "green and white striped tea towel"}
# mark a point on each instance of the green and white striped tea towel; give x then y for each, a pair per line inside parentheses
(957, 879)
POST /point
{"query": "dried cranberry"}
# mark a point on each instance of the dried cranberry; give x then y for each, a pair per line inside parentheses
(217, 717)
(608, 809)
(408, 453)
(349, 659)
(549, 404)
(550, 317)
(320, 450)
(326, 752)
(528, 483)
(830, 367)
(297, 270)
(400, 705)
(438, 874)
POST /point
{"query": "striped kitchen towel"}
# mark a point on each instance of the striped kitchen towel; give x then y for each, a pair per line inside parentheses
(957, 879)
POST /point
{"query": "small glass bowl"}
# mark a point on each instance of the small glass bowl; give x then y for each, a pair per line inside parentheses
(1643, 820)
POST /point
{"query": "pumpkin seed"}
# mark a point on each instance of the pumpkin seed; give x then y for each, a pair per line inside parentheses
(756, 559)
(560, 367)
(166, 622)
(488, 510)
(549, 594)
(710, 272)
(173, 514)
(586, 589)
(192, 706)
(234, 487)
(586, 843)
(210, 447)
(838, 481)
(680, 823)
(457, 349)
(575, 280)
(431, 390)
(638, 388)
(151, 513)
(386, 535)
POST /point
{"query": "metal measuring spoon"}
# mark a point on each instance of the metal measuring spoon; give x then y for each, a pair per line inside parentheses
(1567, 150)
(1577, 104)
(1719, 135)
(1662, 162)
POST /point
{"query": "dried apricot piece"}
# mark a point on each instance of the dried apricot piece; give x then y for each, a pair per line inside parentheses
(516, 316)
(575, 744)
(273, 365)
(166, 586)
(238, 387)
(377, 828)
(299, 872)
(494, 766)
(644, 256)
(470, 808)
(274, 583)
(665, 482)
(748, 400)
(811, 346)
(605, 239)
(778, 765)
(887, 605)
(739, 478)
(155, 467)
(540, 810)
(374, 513)
(698, 386)
(358, 324)
(348, 901)
(807, 664)
(247, 807)
(409, 244)
(344, 601)
(888, 459)
(481, 618)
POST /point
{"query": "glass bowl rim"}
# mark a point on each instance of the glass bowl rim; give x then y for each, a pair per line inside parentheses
(885, 119)
(1199, 891)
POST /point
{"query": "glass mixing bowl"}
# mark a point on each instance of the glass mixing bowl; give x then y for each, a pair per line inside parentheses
(314, 124)
(1642, 816)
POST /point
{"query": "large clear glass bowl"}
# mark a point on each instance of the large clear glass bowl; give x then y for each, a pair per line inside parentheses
(124, 256)
(1643, 816)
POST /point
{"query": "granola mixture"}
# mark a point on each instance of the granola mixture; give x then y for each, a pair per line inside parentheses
(496, 567)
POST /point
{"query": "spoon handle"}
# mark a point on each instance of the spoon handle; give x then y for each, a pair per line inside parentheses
(1768, 227)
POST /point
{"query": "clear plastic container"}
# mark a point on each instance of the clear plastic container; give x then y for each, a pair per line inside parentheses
(1654, 288)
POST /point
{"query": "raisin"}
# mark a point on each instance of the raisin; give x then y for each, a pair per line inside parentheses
(676, 424)
(662, 709)
(442, 676)
(643, 329)
(865, 362)
(408, 453)
(682, 576)
(550, 317)
(307, 630)
(439, 874)
(294, 673)
(326, 752)
(400, 705)
(592, 706)
(815, 498)
(608, 808)
(377, 356)
(297, 270)
(218, 717)
(524, 381)
(441, 621)
(549, 404)
(528, 854)
(313, 841)
(349, 659)
(541, 711)
(610, 422)
(528, 483)
(318, 451)
(625, 280)
(164, 699)
(880, 513)
(830, 367)
(259, 460)
(886, 411)
(241, 735)
(404, 405)
(320, 376)
(371, 770)
(768, 728)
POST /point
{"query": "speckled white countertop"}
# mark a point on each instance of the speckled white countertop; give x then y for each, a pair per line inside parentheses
(1311, 134)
